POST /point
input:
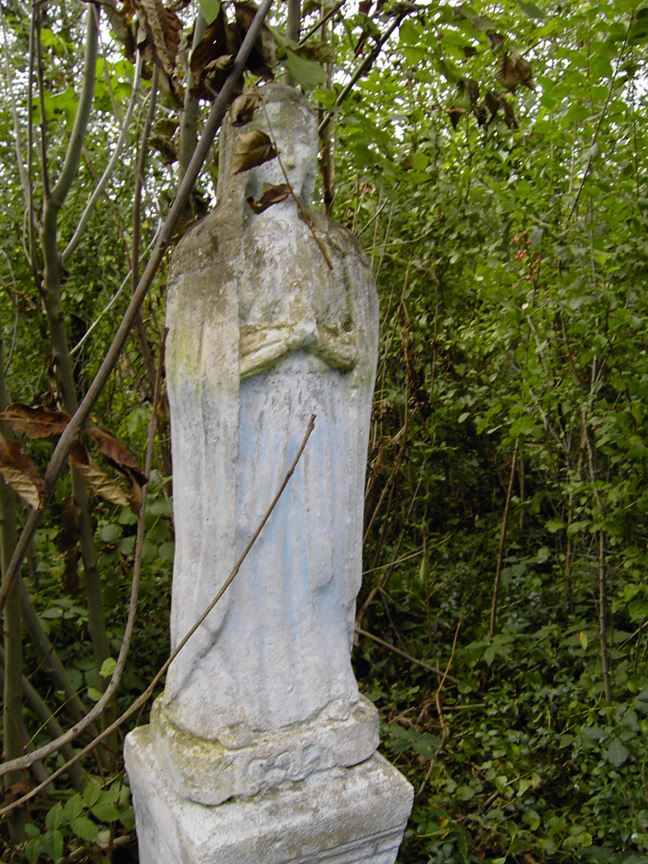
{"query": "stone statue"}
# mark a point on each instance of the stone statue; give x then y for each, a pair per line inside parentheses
(272, 318)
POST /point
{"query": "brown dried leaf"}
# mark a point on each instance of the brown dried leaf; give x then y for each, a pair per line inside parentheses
(165, 147)
(20, 472)
(115, 451)
(35, 422)
(496, 40)
(262, 60)
(252, 148)
(509, 114)
(514, 71)
(456, 112)
(470, 88)
(99, 483)
(493, 102)
(15, 791)
(69, 544)
(481, 115)
(243, 107)
(220, 64)
(271, 195)
(163, 30)
(218, 41)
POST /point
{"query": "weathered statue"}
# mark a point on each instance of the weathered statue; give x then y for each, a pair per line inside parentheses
(272, 318)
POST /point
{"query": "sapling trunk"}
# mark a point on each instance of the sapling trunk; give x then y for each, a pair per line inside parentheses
(51, 287)
(12, 634)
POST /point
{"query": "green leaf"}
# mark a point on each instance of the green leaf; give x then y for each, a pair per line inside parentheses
(531, 10)
(85, 828)
(111, 533)
(617, 753)
(73, 807)
(209, 9)
(54, 816)
(108, 667)
(53, 844)
(33, 850)
(307, 73)
(525, 426)
(105, 811)
(91, 792)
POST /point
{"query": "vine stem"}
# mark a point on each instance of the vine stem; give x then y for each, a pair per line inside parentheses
(502, 541)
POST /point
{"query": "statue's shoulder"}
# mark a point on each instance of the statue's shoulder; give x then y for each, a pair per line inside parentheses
(212, 237)
(342, 241)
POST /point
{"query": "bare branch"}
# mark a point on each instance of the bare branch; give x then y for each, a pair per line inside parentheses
(73, 154)
(110, 167)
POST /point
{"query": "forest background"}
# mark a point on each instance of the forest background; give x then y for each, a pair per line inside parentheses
(491, 158)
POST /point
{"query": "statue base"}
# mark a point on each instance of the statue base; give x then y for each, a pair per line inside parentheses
(242, 764)
(341, 816)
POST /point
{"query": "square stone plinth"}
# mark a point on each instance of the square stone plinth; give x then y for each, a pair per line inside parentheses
(342, 816)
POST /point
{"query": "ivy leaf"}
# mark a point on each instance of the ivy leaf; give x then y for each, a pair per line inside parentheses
(107, 668)
(105, 810)
(252, 148)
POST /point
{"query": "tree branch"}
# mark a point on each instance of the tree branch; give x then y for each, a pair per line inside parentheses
(73, 154)
(110, 167)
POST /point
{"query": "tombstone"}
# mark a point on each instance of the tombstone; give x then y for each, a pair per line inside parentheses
(261, 749)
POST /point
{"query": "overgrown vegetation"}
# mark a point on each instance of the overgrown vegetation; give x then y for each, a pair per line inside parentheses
(492, 160)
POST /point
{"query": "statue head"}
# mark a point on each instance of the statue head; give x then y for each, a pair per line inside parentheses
(283, 115)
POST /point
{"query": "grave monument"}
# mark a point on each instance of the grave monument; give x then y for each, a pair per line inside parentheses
(261, 749)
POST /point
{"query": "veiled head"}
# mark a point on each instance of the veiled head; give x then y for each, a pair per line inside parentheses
(282, 114)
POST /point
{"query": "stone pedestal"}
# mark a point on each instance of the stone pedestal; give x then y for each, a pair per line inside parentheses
(341, 816)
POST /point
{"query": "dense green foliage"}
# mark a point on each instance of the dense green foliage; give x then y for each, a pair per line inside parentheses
(493, 162)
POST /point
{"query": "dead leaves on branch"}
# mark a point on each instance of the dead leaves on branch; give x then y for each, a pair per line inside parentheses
(36, 422)
(159, 33)
(19, 472)
(96, 479)
(155, 30)
(213, 56)
(514, 71)
(243, 108)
